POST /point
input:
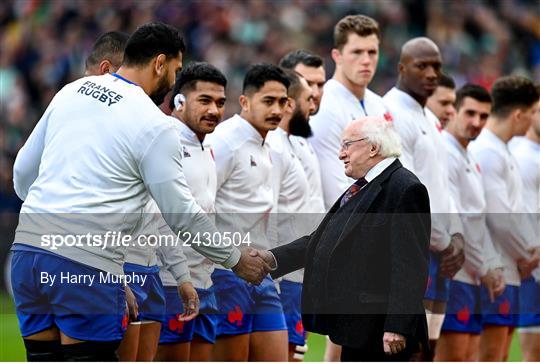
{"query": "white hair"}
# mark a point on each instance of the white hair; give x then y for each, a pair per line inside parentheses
(381, 132)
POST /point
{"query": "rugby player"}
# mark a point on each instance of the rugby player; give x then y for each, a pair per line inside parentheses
(251, 324)
(425, 155)
(526, 151)
(107, 54)
(462, 325)
(442, 101)
(103, 147)
(514, 100)
(198, 103)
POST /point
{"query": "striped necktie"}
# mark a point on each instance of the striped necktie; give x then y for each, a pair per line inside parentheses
(353, 189)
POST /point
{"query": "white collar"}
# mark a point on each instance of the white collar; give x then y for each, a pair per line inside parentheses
(454, 142)
(249, 130)
(378, 168)
(408, 100)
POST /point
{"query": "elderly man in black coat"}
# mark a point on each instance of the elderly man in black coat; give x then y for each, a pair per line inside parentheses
(366, 265)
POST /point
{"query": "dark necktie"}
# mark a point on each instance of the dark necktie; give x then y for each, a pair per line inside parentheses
(351, 192)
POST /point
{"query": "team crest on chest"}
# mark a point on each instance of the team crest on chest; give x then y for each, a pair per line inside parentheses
(252, 161)
(185, 152)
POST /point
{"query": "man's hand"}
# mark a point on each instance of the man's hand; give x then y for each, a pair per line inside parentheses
(133, 308)
(493, 280)
(453, 256)
(251, 266)
(267, 256)
(393, 343)
(190, 301)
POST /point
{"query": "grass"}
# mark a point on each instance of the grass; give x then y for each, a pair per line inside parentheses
(12, 348)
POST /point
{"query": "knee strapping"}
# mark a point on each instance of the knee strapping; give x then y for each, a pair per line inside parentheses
(43, 351)
(91, 351)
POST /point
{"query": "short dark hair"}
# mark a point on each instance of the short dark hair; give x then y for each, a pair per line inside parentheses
(300, 56)
(261, 73)
(474, 91)
(446, 81)
(109, 46)
(512, 92)
(150, 40)
(295, 85)
(361, 25)
(196, 71)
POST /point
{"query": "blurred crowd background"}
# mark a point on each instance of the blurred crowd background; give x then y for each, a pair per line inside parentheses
(43, 44)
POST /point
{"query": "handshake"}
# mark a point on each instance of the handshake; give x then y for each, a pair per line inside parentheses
(254, 265)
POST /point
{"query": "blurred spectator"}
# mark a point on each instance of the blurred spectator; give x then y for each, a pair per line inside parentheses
(44, 43)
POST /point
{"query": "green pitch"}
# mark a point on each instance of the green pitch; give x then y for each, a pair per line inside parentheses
(12, 348)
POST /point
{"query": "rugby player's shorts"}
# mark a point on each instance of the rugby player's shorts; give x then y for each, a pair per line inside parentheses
(504, 311)
(246, 308)
(529, 303)
(438, 287)
(84, 305)
(463, 311)
(291, 299)
(204, 325)
(150, 294)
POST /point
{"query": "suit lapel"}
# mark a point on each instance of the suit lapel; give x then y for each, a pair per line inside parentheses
(364, 200)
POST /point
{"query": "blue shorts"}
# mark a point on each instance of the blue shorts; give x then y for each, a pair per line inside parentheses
(529, 303)
(204, 325)
(504, 311)
(150, 295)
(463, 312)
(291, 299)
(437, 287)
(87, 309)
(245, 308)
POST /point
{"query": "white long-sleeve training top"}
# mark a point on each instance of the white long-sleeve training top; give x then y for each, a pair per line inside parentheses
(99, 153)
(424, 153)
(339, 106)
(511, 233)
(468, 192)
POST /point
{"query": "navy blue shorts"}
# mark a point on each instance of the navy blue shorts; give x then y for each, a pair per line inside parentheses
(245, 308)
(150, 294)
(504, 311)
(463, 311)
(529, 303)
(84, 305)
(291, 299)
(437, 287)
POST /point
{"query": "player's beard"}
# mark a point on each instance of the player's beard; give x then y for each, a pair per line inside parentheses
(158, 96)
(299, 125)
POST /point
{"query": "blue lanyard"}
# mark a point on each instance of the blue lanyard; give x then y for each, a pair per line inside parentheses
(123, 79)
(363, 107)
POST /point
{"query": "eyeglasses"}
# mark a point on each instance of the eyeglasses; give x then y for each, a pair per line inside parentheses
(345, 145)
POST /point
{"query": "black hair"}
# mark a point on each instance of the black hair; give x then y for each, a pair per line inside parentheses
(474, 91)
(512, 92)
(261, 73)
(150, 40)
(196, 71)
(300, 56)
(109, 46)
(447, 81)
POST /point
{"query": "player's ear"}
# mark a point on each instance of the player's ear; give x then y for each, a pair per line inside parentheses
(244, 102)
(105, 67)
(179, 102)
(336, 56)
(400, 67)
(160, 64)
(290, 106)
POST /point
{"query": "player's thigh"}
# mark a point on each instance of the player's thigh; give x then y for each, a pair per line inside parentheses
(493, 342)
(473, 350)
(148, 341)
(530, 346)
(230, 348)
(201, 350)
(127, 351)
(178, 352)
(45, 335)
(268, 346)
(452, 346)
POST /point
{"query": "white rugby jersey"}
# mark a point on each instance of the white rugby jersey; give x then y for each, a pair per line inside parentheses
(244, 196)
(200, 173)
(512, 234)
(291, 193)
(468, 192)
(103, 147)
(424, 153)
(304, 151)
(339, 107)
